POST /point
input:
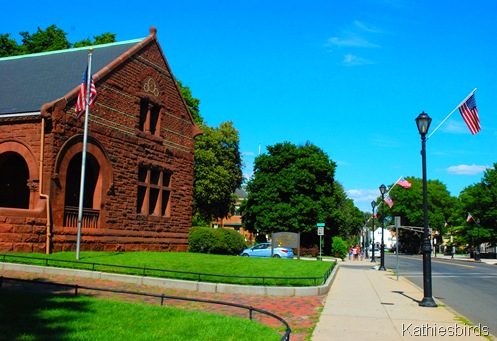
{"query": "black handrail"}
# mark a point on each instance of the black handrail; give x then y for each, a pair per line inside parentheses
(76, 287)
(197, 275)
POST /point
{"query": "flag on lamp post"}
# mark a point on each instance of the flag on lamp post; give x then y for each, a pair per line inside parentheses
(469, 217)
(83, 95)
(469, 113)
(389, 201)
(403, 182)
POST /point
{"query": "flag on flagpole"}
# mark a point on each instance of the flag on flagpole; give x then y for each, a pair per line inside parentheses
(83, 95)
(389, 201)
(469, 113)
(403, 182)
(469, 217)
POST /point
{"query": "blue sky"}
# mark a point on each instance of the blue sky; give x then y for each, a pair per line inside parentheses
(348, 76)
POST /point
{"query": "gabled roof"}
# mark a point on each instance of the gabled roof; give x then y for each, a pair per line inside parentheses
(29, 81)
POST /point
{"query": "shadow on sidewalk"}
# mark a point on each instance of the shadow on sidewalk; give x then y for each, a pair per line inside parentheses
(403, 294)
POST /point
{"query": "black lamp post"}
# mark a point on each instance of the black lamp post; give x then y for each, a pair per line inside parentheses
(478, 251)
(423, 122)
(383, 190)
(373, 204)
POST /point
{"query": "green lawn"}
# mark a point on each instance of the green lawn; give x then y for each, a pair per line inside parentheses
(34, 316)
(200, 264)
(29, 316)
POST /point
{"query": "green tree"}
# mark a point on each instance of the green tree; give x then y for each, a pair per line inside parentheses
(292, 189)
(105, 38)
(8, 46)
(480, 200)
(218, 165)
(192, 102)
(408, 205)
(50, 39)
(218, 171)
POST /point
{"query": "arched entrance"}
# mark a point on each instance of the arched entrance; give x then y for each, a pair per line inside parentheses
(98, 181)
(91, 192)
(18, 176)
(14, 175)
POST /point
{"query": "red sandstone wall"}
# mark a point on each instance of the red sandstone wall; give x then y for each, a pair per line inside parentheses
(114, 123)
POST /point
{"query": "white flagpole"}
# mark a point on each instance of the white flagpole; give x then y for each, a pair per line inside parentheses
(83, 158)
(395, 184)
(445, 119)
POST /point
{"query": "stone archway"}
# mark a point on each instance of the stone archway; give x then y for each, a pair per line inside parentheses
(98, 183)
(18, 176)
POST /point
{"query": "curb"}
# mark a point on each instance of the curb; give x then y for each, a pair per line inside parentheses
(220, 288)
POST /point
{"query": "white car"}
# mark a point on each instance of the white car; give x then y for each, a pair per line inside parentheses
(377, 253)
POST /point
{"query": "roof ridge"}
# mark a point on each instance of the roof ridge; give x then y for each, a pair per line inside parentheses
(32, 55)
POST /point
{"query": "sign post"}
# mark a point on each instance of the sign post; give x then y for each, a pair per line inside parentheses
(397, 225)
(320, 234)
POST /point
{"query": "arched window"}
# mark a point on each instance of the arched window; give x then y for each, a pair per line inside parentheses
(14, 175)
(73, 181)
(91, 194)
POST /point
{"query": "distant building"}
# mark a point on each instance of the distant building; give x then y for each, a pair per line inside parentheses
(234, 219)
(139, 162)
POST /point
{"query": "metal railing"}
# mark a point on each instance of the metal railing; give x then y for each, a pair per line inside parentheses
(165, 273)
(76, 288)
(89, 219)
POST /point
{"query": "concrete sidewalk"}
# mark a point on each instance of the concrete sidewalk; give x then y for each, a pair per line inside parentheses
(367, 304)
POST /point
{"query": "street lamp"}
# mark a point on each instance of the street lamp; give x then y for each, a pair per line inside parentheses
(383, 190)
(373, 204)
(423, 122)
(478, 251)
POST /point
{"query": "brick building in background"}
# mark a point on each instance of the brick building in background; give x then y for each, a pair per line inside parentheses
(139, 161)
(234, 219)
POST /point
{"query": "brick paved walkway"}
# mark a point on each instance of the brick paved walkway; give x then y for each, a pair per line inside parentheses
(301, 313)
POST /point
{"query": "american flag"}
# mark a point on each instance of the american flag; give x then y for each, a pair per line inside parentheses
(81, 103)
(469, 113)
(469, 217)
(403, 182)
(389, 201)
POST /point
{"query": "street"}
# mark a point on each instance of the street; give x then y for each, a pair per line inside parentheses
(469, 288)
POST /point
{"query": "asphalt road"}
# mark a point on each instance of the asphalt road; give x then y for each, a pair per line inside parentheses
(470, 289)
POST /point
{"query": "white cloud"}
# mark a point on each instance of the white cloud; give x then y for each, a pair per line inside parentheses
(367, 28)
(353, 41)
(362, 195)
(352, 60)
(466, 169)
(456, 127)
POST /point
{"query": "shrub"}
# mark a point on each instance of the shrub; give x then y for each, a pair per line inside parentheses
(339, 248)
(308, 251)
(202, 240)
(219, 241)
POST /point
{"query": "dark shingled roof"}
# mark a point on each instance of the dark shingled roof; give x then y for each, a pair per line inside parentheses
(29, 81)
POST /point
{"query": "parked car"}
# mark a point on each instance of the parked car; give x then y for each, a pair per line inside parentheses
(264, 250)
(377, 252)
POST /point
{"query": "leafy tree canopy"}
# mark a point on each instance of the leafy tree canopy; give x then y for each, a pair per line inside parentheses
(480, 200)
(218, 171)
(408, 204)
(50, 39)
(292, 189)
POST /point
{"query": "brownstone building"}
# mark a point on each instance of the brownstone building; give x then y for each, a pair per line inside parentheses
(139, 160)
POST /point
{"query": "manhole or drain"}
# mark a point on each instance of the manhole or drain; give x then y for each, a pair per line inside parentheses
(386, 303)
